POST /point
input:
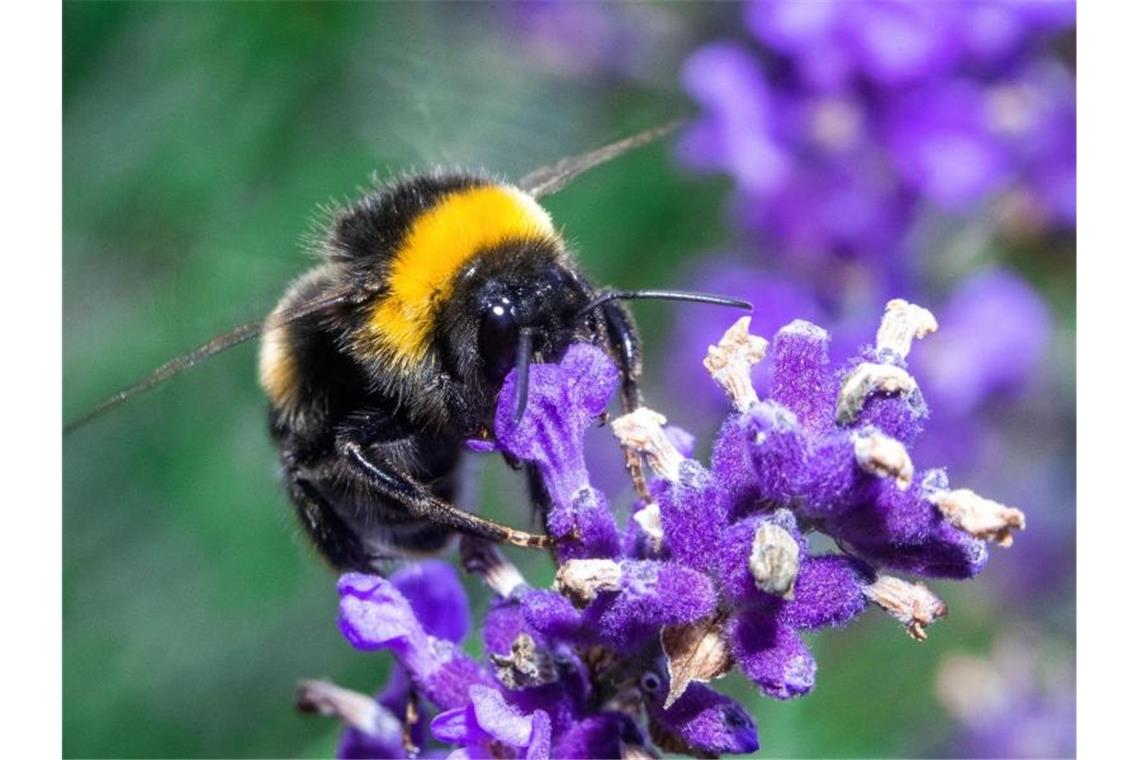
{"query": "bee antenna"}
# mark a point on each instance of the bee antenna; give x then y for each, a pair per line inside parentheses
(522, 371)
(216, 345)
(664, 295)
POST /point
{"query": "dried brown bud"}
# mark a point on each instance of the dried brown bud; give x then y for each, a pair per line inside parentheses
(730, 363)
(641, 430)
(649, 518)
(866, 379)
(580, 580)
(695, 652)
(525, 666)
(883, 456)
(357, 710)
(902, 323)
(912, 604)
(980, 517)
(775, 560)
(483, 558)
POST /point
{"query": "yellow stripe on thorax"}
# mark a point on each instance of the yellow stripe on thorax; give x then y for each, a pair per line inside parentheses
(439, 242)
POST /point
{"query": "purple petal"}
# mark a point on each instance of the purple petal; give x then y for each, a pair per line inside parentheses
(437, 597)
(706, 722)
(498, 719)
(802, 377)
(598, 735)
(374, 615)
(772, 656)
(692, 515)
(736, 136)
(450, 726)
(652, 595)
(828, 592)
(538, 747)
(563, 400)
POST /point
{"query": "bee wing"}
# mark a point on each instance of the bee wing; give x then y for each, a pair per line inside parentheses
(551, 179)
(539, 183)
(216, 345)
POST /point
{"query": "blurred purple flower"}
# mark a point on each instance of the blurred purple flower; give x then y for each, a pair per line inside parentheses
(864, 113)
(994, 331)
(1019, 700)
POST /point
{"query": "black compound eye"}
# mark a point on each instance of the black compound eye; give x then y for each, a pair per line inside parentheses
(498, 340)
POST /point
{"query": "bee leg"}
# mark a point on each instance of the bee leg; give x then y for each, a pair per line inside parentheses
(626, 347)
(623, 340)
(421, 503)
(332, 536)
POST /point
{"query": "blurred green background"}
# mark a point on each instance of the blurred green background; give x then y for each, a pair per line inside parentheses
(199, 140)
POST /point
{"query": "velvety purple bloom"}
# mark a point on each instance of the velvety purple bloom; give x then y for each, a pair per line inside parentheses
(564, 399)
(702, 722)
(714, 571)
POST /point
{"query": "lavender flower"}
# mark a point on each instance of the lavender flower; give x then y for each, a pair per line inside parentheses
(713, 572)
(863, 115)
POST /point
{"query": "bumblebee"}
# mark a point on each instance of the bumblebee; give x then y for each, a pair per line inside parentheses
(384, 360)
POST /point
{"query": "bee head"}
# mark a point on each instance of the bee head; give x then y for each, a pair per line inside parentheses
(523, 298)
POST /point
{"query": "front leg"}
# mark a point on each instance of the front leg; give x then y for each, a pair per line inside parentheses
(379, 475)
(621, 334)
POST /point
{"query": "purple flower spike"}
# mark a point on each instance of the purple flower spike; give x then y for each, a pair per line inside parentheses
(488, 727)
(374, 615)
(651, 595)
(563, 400)
(692, 515)
(772, 656)
(702, 722)
(779, 452)
(903, 530)
(828, 592)
(714, 570)
(801, 376)
(553, 616)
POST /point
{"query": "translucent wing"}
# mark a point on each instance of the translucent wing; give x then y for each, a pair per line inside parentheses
(539, 183)
(212, 347)
(551, 179)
